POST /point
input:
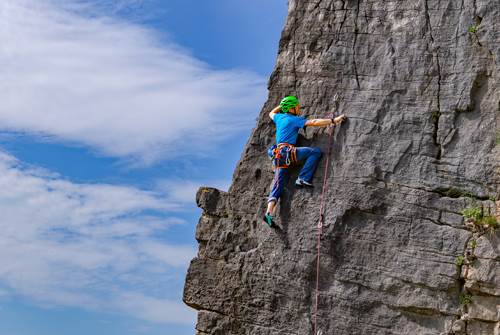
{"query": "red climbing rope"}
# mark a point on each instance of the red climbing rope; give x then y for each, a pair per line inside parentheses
(321, 221)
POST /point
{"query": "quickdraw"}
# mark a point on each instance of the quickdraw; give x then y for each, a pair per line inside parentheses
(283, 155)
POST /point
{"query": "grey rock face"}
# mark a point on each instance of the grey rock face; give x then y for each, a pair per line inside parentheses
(420, 86)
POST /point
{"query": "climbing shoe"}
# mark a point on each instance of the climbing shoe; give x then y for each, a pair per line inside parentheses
(303, 183)
(268, 219)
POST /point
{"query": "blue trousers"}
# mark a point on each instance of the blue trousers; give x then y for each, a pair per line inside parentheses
(310, 157)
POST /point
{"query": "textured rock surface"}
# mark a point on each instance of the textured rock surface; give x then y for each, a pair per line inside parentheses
(420, 85)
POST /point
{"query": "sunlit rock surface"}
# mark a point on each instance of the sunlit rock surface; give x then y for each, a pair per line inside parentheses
(420, 85)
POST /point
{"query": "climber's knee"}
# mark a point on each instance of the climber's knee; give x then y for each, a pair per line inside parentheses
(316, 151)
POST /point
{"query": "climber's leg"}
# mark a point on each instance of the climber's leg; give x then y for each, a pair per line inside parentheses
(311, 157)
(271, 206)
(280, 178)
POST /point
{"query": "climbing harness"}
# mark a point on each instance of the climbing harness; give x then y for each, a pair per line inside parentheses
(283, 155)
(321, 220)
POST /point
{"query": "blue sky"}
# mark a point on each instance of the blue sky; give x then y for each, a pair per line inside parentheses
(113, 113)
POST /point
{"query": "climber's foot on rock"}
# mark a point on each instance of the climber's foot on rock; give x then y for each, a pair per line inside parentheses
(268, 219)
(303, 183)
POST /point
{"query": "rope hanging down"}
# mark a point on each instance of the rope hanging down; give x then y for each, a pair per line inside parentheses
(321, 220)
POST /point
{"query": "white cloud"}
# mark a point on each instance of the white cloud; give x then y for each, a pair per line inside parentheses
(184, 191)
(155, 310)
(88, 245)
(113, 86)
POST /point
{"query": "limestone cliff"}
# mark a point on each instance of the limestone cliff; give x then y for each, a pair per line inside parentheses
(420, 85)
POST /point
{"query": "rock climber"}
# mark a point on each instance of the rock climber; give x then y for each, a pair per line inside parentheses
(288, 122)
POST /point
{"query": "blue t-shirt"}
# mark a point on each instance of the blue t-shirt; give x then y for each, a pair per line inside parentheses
(287, 127)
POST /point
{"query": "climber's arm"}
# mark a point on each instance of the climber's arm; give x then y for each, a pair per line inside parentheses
(318, 122)
(325, 122)
(275, 111)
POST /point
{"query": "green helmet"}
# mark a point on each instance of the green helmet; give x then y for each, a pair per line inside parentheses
(288, 102)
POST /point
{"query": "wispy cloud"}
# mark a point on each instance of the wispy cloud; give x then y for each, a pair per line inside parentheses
(154, 310)
(112, 85)
(88, 245)
(184, 191)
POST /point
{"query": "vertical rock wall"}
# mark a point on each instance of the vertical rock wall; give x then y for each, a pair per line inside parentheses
(420, 85)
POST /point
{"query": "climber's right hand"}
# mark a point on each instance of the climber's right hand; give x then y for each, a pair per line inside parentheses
(339, 119)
